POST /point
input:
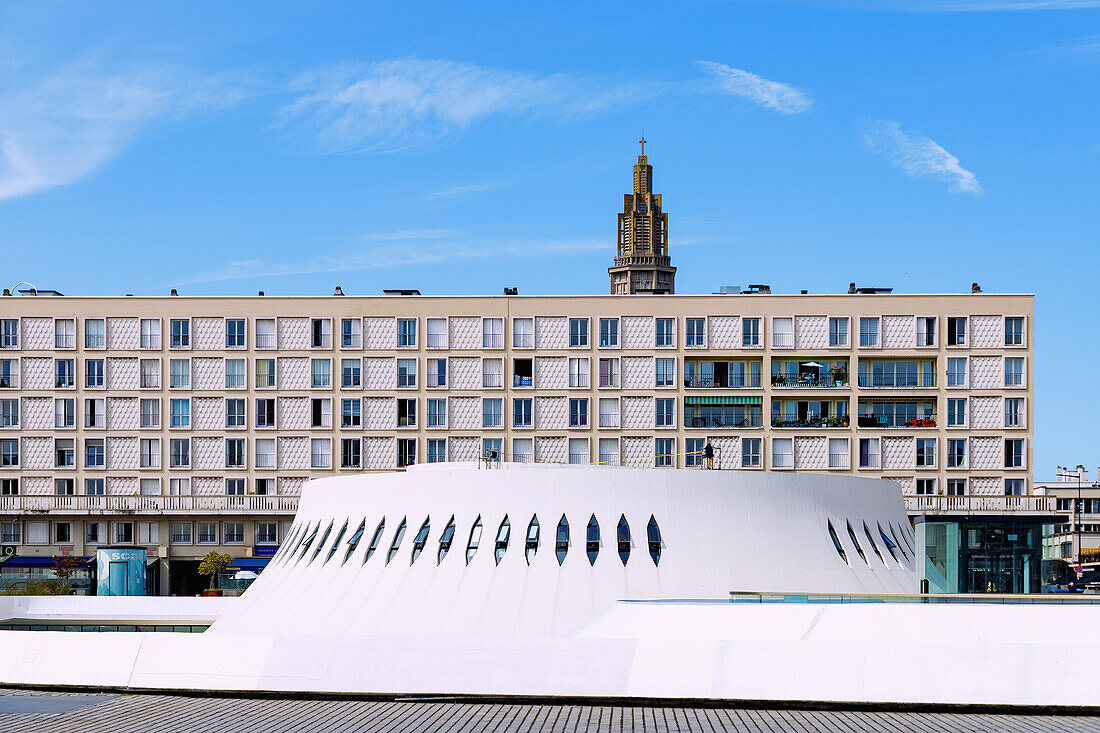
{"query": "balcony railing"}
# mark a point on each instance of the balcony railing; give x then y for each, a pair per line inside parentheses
(866, 380)
(782, 340)
(716, 421)
(578, 380)
(492, 341)
(319, 460)
(810, 421)
(491, 380)
(265, 460)
(883, 421)
(65, 341)
(732, 381)
(150, 381)
(523, 340)
(150, 341)
(936, 504)
(150, 504)
(265, 341)
(94, 342)
(838, 460)
(578, 458)
(609, 380)
(808, 380)
(609, 421)
(437, 340)
(609, 459)
(522, 458)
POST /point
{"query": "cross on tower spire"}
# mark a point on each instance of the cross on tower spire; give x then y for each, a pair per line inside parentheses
(642, 141)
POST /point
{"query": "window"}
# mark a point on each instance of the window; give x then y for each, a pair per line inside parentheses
(266, 337)
(868, 332)
(181, 533)
(750, 331)
(94, 333)
(523, 333)
(437, 373)
(64, 333)
(267, 533)
(179, 487)
(491, 372)
(1014, 412)
(9, 413)
(523, 372)
(956, 413)
(233, 533)
(956, 452)
(1014, 331)
(64, 371)
(320, 333)
(150, 413)
(693, 452)
(93, 453)
(349, 453)
(62, 533)
(1014, 372)
(663, 448)
(868, 452)
(11, 533)
(665, 332)
(578, 372)
(179, 333)
(234, 453)
(234, 487)
(609, 332)
(1014, 453)
(956, 372)
(234, 413)
(322, 374)
(956, 487)
(321, 413)
(926, 452)
(782, 453)
(1014, 487)
(666, 412)
(521, 413)
(437, 333)
(406, 332)
(265, 412)
(437, 413)
(491, 410)
(406, 413)
(666, 372)
(609, 412)
(694, 332)
(149, 449)
(9, 453)
(578, 450)
(492, 333)
(181, 413)
(320, 450)
(124, 533)
(150, 374)
(956, 331)
(406, 452)
(926, 486)
(897, 373)
(349, 373)
(838, 332)
(406, 373)
(179, 374)
(234, 333)
(265, 373)
(782, 333)
(150, 333)
(9, 373)
(9, 333)
(95, 533)
(437, 450)
(149, 487)
(206, 533)
(95, 413)
(64, 450)
(350, 416)
(838, 453)
(609, 372)
(64, 413)
(750, 452)
(926, 331)
(578, 413)
(578, 332)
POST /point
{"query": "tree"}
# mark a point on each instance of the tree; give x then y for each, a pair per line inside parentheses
(214, 564)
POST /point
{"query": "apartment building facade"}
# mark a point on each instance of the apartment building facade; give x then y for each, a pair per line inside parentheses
(185, 424)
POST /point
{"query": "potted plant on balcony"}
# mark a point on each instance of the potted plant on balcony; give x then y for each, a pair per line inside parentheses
(214, 564)
(839, 373)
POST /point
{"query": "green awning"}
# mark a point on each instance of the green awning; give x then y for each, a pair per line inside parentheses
(723, 400)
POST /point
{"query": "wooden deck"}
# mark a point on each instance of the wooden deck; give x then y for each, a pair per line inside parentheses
(45, 712)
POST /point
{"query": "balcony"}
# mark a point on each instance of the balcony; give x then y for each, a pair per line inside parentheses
(884, 421)
(745, 380)
(65, 341)
(578, 458)
(265, 341)
(839, 460)
(725, 421)
(609, 459)
(252, 504)
(810, 421)
(522, 458)
(782, 340)
(809, 380)
(938, 504)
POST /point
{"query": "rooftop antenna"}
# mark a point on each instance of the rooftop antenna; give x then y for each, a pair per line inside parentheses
(15, 288)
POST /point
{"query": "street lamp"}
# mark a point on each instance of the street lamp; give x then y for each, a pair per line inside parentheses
(1077, 516)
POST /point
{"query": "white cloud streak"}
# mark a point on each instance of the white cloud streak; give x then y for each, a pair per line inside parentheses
(957, 6)
(773, 95)
(460, 191)
(918, 156)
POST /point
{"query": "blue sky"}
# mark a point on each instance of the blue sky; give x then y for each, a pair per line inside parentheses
(460, 148)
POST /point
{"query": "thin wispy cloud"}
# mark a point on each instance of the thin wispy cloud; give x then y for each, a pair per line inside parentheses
(1077, 49)
(772, 95)
(956, 6)
(460, 191)
(918, 156)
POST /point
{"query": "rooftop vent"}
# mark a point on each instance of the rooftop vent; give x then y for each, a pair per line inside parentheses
(759, 289)
(174, 292)
(728, 290)
(338, 291)
(853, 290)
(975, 288)
(399, 292)
(511, 291)
(35, 291)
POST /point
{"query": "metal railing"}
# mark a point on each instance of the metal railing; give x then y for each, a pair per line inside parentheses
(94, 342)
(609, 380)
(782, 340)
(265, 341)
(491, 380)
(437, 340)
(65, 341)
(782, 460)
(808, 380)
(149, 504)
(265, 460)
(810, 421)
(578, 380)
(838, 460)
(150, 381)
(716, 421)
(492, 341)
(746, 380)
(609, 459)
(320, 460)
(578, 458)
(523, 340)
(150, 341)
(869, 380)
(609, 421)
(936, 503)
(883, 421)
(322, 341)
(522, 458)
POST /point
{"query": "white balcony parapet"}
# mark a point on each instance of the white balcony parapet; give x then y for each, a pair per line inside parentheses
(252, 503)
(938, 504)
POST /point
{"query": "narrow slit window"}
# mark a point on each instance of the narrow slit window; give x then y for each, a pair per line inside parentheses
(309, 541)
(561, 542)
(289, 546)
(653, 534)
(354, 541)
(475, 540)
(531, 544)
(375, 539)
(336, 542)
(622, 539)
(501, 544)
(445, 540)
(420, 540)
(871, 539)
(837, 545)
(852, 534)
(592, 540)
(321, 542)
(891, 546)
(905, 549)
(904, 535)
(397, 537)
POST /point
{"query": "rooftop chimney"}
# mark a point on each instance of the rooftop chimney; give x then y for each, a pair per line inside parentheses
(261, 293)
(511, 291)
(338, 291)
(851, 288)
(174, 292)
(975, 288)
(7, 292)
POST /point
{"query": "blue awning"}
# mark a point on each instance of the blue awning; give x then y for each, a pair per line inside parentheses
(15, 561)
(249, 563)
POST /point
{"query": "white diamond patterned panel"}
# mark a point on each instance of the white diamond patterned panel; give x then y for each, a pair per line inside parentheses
(986, 332)
(727, 450)
(551, 450)
(122, 373)
(207, 453)
(380, 333)
(551, 413)
(293, 372)
(811, 332)
(985, 452)
(465, 413)
(122, 334)
(36, 485)
(897, 332)
(551, 372)
(208, 334)
(898, 453)
(906, 483)
(122, 453)
(636, 451)
(122, 413)
(810, 453)
(291, 485)
(986, 372)
(208, 373)
(379, 452)
(37, 413)
(637, 332)
(37, 334)
(207, 485)
(637, 412)
(985, 413)
(293, 413)
(122, 485)
(984, 486)
(293, 333)
(379, 413)
(551, 332)
(379, 372)
(465, 372)
(637, 372)
(465, 333)
(294, 452)
(206, 413)
(36, 453)
(463, 449)
(37, 373)
(724, 332)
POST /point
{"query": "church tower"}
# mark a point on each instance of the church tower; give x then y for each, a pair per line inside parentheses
(642, 264)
